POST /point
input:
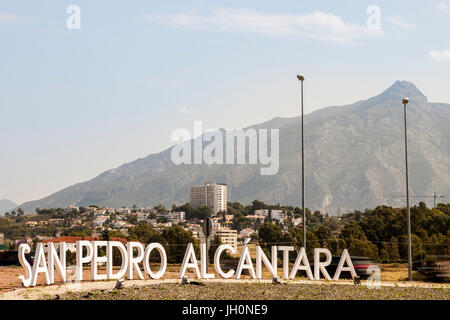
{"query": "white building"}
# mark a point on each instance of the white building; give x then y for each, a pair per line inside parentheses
(100, 212)
(213, 195)
(297, 222)
(71, 209)
(123, 211)
(176, 216)
(141, 216)
(122, 225)
(261, 213)
(100, 220)
(227, 236)
(246, 233)
(278, 215)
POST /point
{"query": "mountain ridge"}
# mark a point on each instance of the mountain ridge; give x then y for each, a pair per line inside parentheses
(6, 205)
(354, 160)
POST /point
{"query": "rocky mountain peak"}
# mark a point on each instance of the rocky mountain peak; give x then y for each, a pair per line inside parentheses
(403, 89)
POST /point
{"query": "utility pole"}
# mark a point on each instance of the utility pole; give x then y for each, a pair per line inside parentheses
(302, 78)
(408, 213)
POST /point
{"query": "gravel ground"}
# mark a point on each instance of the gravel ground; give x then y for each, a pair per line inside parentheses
(258, 291)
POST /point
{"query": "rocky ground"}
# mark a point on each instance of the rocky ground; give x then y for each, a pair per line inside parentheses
(259, 291)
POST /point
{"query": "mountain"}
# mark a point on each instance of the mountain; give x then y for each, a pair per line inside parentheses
(6, 205)
(354, 159)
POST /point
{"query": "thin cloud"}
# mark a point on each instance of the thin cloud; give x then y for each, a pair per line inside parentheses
(317, 25)
(440, 56)
(398, 22)
(442, 6)
(184, 110)
(12, 18)
(164, 84)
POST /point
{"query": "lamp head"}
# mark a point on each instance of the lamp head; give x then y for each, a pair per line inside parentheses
(300, 77)
(405, 100)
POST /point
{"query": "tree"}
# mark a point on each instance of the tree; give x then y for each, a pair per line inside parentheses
(270, 235)
(240, 222)
(144, 233)
(351, 231)
(20, 212)
(393, 249)
(257, 205)
(416, 247)
(203, 212)
(364, 248)
(160, 209)
(175, 240)
(323, 234)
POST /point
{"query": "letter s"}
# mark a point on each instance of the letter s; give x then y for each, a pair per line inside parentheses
(23, 250)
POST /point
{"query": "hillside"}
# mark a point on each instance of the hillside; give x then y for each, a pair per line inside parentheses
(354, 159)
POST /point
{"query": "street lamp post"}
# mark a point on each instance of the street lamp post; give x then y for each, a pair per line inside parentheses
(408, 214)
(301, 78)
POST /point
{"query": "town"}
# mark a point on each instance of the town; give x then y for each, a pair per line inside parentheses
(377, 233)
(232, 222)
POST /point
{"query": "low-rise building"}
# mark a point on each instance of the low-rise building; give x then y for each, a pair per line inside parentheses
(120, 217)
(100, 220)
(216, 223)
(31, 224)
(122, 225)
(297, 222)
(174, 217)
(141, 216)
(123, 211)
(100, 212)
(261, 213)
(56, 221)
(278, 215)
(227, 236)
(256, 217)
(177, 216)
(229, 218)
(70, 209)
(71, 242)
(246, 233)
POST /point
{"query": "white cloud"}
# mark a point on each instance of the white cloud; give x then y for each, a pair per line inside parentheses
(12, 18)
(442, 6)
(184, 110)
(317, 25)
(398, 22)
(440, 56)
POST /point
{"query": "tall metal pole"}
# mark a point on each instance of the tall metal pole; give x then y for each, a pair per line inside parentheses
(408, 214)
(302, 78)
(434, 202)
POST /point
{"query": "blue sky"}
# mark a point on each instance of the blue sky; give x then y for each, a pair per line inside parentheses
(74, 103)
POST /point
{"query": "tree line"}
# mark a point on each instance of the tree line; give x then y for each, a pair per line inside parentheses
(379, 233)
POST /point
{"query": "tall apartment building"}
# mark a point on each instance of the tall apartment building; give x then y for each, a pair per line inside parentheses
(213, 195)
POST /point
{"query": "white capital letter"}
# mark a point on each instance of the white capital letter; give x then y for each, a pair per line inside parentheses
(320, 266)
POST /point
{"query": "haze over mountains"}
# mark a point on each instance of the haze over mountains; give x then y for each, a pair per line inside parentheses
(354, 160)
(6, 205)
